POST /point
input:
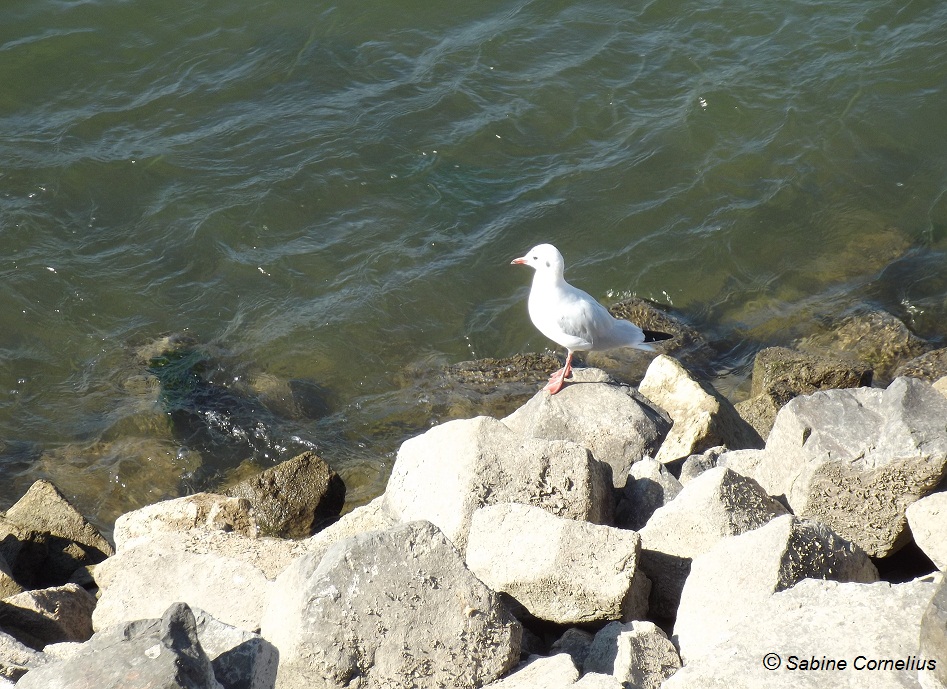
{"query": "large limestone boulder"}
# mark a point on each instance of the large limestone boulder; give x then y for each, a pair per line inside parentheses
(200, 551)
(394, 608)
(702, 417)
(447, 473)
(824, 622)
(154, 653)
(575, 572)
(732, 580)
(636, 653)
(295, 498)
(617, 424)
(16, 658)
(928, 521)
(855, 459)
(538, 672)
(240, 659)
(717, 504)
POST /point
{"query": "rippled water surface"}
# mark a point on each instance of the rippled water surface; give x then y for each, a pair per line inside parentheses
(324, 196)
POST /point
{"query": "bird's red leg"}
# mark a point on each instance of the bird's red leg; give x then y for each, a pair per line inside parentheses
(558, 378)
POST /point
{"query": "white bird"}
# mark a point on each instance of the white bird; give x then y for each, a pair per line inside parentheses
(572, 318)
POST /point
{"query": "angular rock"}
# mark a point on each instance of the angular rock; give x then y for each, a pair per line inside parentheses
(370, 517)
(17, 658)
(451, 470)
(240, 659)
(930, 366)
(226, 574)
(695, 465)
(575, 642)
(394, 608)
(612, 420)
(650, 485)
(576, 572)
(928, 521)
(941, 386)
(295, 498)
(857, 623)
(716, 504)
(754, 566)
(702, 417)
(539, 672)
(45, 616)
(637, 653)
(934, 637)
(58, 540)
(197, 512)
(855, 459)
(780, 374)
(151, 653)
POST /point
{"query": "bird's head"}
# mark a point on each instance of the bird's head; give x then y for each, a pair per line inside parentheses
(543, 258)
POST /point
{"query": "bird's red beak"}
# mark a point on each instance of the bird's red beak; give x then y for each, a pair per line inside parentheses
(518, 261)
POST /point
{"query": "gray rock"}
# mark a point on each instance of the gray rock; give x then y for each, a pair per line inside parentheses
(855, 459)
(45, 616)
(240, 659)
(575, 642)
(702, 417)
(780, 374)
(754, 566)
(596, 680)
(928, 521)
(393, 608)
(934, 636)
(197, 512)
(295, 498)
(54, 539)
(444, 475)
(695, 465)
(819, 620)
(576, 572)
(151, 653)
(637, 653)
(539, 672)
(612, 420)
(370, 517)
(716, 504)
(650, 486)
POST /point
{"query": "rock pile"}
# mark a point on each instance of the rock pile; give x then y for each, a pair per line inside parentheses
(605, 537)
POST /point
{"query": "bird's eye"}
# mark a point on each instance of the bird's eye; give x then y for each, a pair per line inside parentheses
(547, 264)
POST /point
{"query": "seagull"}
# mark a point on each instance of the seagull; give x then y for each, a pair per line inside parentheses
(572, 318)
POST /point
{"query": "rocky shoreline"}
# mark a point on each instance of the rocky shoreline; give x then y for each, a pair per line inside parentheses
(608, 536)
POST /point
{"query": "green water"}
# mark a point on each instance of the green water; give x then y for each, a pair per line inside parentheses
(333, 193)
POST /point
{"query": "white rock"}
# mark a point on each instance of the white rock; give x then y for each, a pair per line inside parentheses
(540, 672)
(617, 424)
(717, 504)
(702, 417)
(819, 621)
(637, 653)
(732, 580)
(855, 459)
(650, 485)
(560, 570)
(451, 470)
(928, 520)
